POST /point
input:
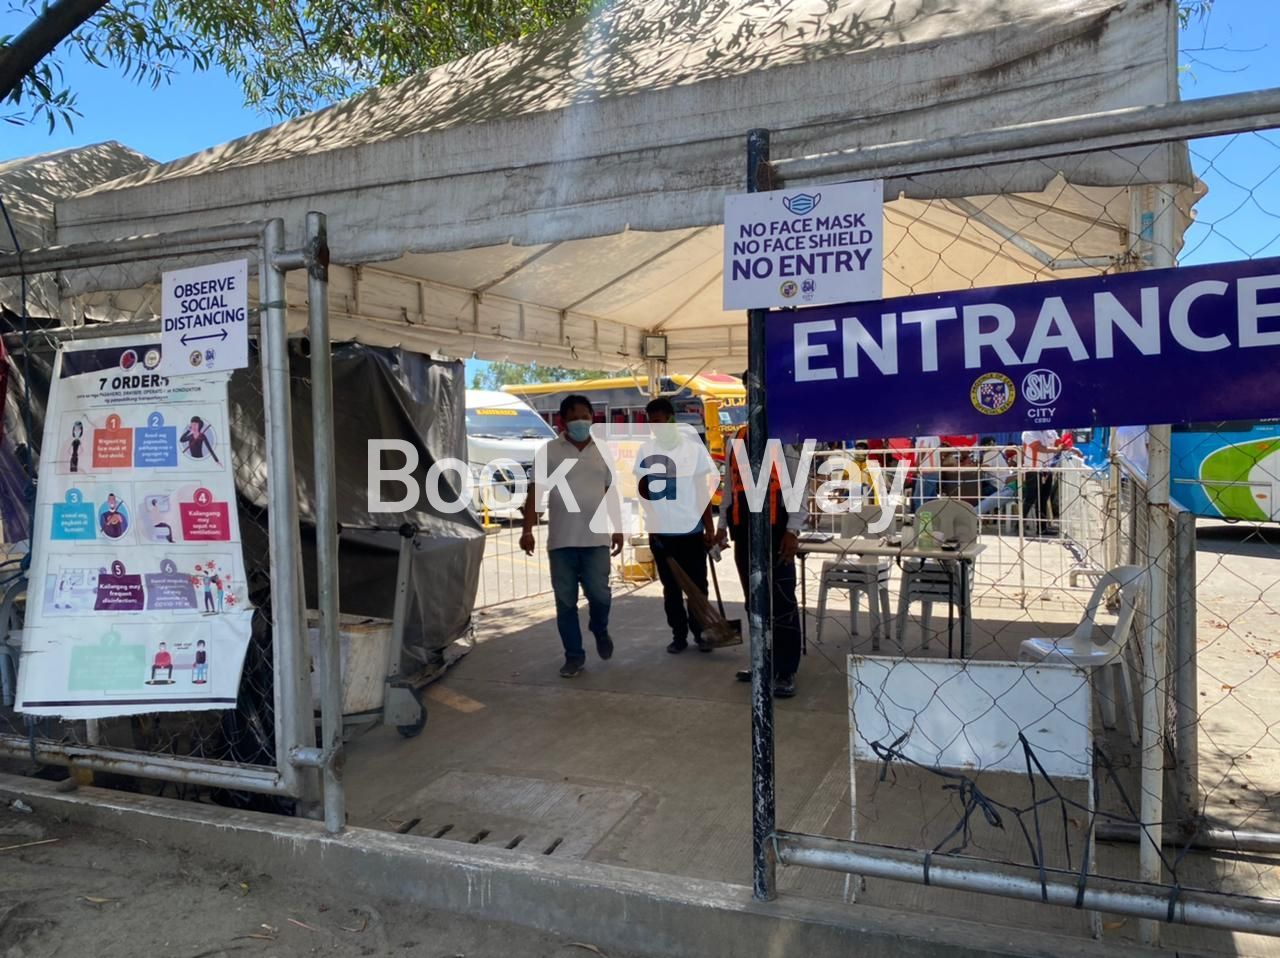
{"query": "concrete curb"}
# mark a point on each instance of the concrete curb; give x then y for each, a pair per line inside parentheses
(612, 907)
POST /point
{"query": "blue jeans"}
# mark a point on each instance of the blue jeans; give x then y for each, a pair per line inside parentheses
(589, 567)
(926, 488)
(991, 503)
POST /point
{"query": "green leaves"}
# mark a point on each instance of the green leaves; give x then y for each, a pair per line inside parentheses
(289, 57)
(499, 374)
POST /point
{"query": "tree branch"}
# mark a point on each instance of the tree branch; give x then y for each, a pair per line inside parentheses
(58, 21)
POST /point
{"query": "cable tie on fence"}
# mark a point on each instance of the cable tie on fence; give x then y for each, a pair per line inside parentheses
(273, 304)
(1174, 893)
(928, 863)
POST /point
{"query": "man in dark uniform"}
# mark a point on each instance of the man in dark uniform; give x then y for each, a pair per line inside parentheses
(783, 545)
(687, 549)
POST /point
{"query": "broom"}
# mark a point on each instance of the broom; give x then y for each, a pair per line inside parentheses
(717, 631)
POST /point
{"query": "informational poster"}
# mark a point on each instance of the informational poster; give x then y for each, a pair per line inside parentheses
(137, 600)
(804, 247)
(1123, 348)
(204, 314)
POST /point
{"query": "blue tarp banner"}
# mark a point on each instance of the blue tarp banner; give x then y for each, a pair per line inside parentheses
(1196, 344)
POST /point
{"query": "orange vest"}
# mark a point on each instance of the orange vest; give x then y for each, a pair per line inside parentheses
(738, 507)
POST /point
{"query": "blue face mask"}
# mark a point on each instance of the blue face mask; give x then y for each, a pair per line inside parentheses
(801, 203)
(579, 430)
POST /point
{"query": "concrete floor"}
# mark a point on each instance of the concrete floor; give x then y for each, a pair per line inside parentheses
(643, 761)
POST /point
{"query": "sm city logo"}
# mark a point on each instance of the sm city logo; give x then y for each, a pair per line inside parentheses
(1041, 388)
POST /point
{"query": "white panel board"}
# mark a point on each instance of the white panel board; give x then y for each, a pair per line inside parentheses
(967, 715)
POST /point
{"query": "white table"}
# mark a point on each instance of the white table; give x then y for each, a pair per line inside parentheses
(883, 548)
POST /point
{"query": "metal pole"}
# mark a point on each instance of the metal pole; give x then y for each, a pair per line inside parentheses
(760, 582)
(1150, 902)
(1206, 839)
(292, 672)
(1061, 136)
(164, 768)
(317, 263)
(1154, 214)
(132, 249)
(1185, 676)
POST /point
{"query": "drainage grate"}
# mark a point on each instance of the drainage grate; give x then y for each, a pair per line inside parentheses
(533, 816)
(479, 837)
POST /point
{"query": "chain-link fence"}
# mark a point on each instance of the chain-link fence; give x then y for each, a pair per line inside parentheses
(1058, 683)
(241, 755)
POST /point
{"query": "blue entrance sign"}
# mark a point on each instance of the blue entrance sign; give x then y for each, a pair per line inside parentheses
(1196, 344)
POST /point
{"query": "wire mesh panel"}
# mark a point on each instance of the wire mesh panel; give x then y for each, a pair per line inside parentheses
(1000, 552)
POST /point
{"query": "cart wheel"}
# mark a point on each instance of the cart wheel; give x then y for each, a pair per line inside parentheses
(414, 729)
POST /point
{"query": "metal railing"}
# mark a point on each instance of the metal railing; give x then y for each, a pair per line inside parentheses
(274, 711)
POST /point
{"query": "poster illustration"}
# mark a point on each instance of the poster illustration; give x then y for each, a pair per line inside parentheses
(138, 601)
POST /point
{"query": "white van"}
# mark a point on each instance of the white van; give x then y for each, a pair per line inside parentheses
(501, 426)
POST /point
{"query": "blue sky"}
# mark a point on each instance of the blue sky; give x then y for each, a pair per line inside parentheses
(1236, 49)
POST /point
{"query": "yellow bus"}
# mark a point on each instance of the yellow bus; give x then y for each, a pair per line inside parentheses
(714, 404)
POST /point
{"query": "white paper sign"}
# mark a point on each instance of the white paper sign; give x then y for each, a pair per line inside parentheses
(137, 599)
(205, 314)
(802, 247)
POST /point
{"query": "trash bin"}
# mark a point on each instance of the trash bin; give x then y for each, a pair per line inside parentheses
(365, 642)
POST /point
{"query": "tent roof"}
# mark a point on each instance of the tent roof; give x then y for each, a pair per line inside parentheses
(574, 181)
(32, 185)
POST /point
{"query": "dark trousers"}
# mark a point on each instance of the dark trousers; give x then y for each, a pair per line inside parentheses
(786, 611)
(1040, 495)
(689, 552)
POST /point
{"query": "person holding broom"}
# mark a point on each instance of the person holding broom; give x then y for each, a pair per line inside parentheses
(784, 543)
(665, 463)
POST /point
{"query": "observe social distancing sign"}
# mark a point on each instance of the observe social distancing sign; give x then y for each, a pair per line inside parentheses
(205, 319)
(804, 247)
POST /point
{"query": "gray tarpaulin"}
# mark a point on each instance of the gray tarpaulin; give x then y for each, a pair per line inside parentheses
(378, 394)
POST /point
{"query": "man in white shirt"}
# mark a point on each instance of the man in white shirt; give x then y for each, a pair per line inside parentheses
(580, 485)
(999, 483)
(686, 546)
(1040, 448)
(928, 459)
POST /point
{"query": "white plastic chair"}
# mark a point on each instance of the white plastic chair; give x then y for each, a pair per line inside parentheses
(936, 580)
(1091, 647)
(858, 577)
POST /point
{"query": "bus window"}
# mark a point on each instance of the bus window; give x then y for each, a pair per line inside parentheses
(732, 417)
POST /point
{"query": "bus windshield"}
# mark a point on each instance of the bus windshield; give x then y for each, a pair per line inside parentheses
(733, 415)
(507, 423)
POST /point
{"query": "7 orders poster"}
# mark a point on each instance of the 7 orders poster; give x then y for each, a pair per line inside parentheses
(137, 599)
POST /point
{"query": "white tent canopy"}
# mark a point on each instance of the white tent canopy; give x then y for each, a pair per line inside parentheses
(557, 197)
(30, 187)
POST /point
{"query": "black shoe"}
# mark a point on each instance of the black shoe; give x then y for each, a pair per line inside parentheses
(604, 646)
(677, 646)
(784, 686)
(702, 644)
(742, 675)
(571, 668)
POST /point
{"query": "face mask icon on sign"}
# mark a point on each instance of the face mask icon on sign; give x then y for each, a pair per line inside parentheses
(801, 203)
